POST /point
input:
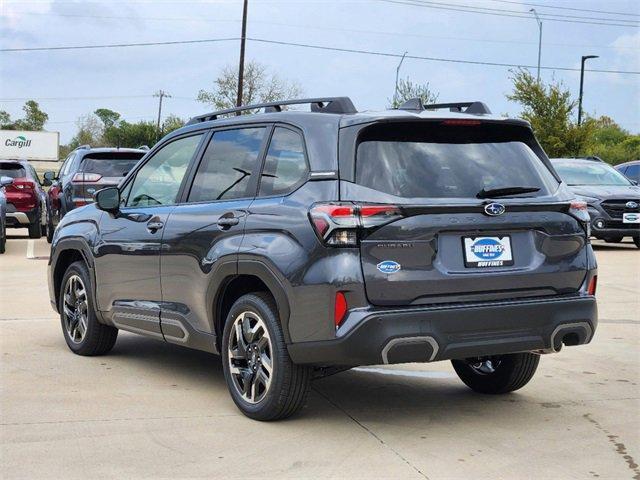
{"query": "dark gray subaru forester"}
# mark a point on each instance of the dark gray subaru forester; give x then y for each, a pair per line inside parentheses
(296, 244)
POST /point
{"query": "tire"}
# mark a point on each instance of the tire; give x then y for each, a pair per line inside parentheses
(97, 339)
(50, 232)
(510, 372)
(613, 239)
(35, 229)
(636, 241)
(3, 241)
(289, 383)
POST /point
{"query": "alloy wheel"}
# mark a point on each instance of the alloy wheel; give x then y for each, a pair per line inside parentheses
(250, 356)
(75, 309)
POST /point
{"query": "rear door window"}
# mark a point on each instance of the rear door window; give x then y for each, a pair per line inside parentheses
(441, 161)
(13, 170)
(110, 165)
(285, 165)
(229, 165)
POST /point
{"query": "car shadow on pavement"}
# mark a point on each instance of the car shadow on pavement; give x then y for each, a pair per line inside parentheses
(354, 394)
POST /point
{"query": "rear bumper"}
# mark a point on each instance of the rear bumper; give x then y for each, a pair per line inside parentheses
(20, 219)
(454, 331)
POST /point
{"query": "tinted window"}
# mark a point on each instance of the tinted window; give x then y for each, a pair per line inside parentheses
(66, 165)
(158, 181)
(449, 162)
(13, 170)
(584, 172)
(633, 172)
(110, 166)
(285, 164)
(228, 165)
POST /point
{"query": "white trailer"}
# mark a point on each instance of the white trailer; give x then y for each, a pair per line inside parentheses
(25, 145)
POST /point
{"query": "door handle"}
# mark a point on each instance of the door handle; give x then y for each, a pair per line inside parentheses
(153, 227)
(228, 221)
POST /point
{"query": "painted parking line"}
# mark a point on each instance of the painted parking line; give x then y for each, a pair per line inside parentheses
(31, 249)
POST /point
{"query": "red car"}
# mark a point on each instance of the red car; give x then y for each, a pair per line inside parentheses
(26, 199)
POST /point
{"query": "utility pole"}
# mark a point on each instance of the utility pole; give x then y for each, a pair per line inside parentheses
(584, 58)
(395, 92)
(243, 40)
(539, 40)
(161, 94)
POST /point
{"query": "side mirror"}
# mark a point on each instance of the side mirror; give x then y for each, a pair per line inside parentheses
(48, 177)
(4, 181)
(108, 199)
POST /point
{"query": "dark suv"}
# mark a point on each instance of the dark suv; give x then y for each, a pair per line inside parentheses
(296, 244)
(85, 171)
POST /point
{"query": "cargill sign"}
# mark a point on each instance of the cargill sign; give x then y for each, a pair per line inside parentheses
(23, 145)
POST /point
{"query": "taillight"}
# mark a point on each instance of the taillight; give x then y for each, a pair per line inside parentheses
(86, 177)
(339, 309)
(578, 209)
(593, 283)
(338, 224)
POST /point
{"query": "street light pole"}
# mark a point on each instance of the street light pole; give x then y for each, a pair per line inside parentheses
(243, 40)
(395, 92)
(539, 40)
(584, 58)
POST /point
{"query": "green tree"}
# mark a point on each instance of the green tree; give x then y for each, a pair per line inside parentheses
(34, 118)
(549, 109)
(171, 123)
(408, 90)
(108, 117)
(613, 143)
(130, 135)
(90, 131)
(259, 86)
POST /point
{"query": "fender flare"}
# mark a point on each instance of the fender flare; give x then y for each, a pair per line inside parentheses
(275, 282)
(78, 245)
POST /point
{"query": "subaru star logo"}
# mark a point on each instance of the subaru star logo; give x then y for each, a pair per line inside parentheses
(631, 204)
(494, 209)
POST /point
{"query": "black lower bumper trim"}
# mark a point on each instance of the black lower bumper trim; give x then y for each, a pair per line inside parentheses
(432, 334)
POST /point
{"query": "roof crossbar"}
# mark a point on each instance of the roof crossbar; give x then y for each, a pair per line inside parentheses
(415, 104)
(324, 104)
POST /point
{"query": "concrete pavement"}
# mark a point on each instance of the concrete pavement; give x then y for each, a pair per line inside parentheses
(153, 410)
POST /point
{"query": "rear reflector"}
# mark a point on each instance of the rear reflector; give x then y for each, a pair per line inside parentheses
(593, 283)
(340, 308)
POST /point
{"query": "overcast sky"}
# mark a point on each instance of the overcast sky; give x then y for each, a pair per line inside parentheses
(111, 77)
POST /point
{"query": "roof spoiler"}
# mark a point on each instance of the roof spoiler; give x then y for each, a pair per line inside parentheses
(416, 105)
(323, 105)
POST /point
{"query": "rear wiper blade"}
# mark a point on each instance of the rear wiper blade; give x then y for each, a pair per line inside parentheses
(505, 191)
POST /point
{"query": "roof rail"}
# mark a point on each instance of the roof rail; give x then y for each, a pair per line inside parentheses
(83, 147)
(143, 147)
(325, 105)
(415, 104)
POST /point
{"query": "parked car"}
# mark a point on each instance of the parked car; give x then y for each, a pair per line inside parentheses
(296, 244)
(613, 200)
(26, 199)
(631, 170)
(82, 173)
(4, 181)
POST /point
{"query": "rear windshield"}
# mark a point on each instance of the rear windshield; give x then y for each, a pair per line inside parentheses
(111, 164)
(586, 172)
(13, 170)
(431, 160)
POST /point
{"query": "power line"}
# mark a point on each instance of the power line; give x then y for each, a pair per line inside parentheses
(337, 29)
(433, 59)
(116, 45)
(316, 47)
(496, 12)
(502, 10)
(566, 8)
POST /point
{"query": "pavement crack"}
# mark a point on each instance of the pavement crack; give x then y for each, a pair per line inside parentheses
(370, 432)
(621, 448)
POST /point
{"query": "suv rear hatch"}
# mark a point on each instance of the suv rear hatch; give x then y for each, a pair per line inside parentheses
(455, 232)
(99, 170)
